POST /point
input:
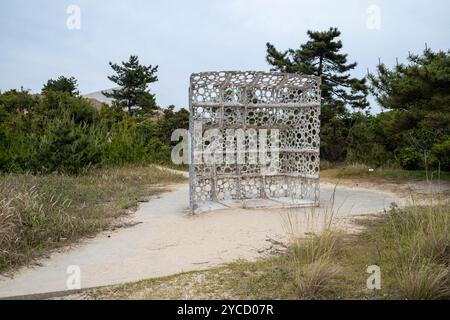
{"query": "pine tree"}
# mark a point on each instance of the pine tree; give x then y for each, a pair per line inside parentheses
(421, 85)
(321, 56)
(62, 84)
(417, 94)
(133, 80)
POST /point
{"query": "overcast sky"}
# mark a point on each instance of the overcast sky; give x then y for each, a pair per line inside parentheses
(183, 37)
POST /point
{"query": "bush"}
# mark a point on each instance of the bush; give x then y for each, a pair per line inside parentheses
(416, 242)
(14, 101)
(411, 158)
(124, 145)
(441, 152)
(58, 104)
(370, 154)
(68, 147)
(333, 137)
(57, 132)
(424, 282)
(40, 213)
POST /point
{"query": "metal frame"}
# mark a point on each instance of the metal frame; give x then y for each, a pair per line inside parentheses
(290, 103)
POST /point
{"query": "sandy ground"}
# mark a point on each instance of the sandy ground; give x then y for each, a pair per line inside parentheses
(167, 240)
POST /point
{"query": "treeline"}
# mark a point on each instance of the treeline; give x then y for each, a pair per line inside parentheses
(413, 131)
(58, 132)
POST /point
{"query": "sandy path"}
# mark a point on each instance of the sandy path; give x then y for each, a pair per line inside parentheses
(168, 241)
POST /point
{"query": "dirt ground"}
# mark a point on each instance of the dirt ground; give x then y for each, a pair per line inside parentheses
(164, 239)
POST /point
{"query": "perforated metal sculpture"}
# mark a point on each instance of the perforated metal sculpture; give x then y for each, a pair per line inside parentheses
(286, 106)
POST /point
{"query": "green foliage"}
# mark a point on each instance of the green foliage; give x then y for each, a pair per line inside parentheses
(333, 135)
(420, 85)
(55, 104)
(411, 158)
(39, 213)
(415, 128)
(18, 144)
(441, 152)
(411, 133)
(66, 146)
(13, 101)
(321, 56)
(62, 84)
(366, 142)
(124, 144)
(63, 133)
(133, 80)
(58, 131)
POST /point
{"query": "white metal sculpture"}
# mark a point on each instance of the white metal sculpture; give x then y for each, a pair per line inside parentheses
(254, 137)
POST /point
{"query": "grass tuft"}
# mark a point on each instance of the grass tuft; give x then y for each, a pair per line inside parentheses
(416, 245)
(424, 281)
(40, 213)
(315, 280)
(361, 171)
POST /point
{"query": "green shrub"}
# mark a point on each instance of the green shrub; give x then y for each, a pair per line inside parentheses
(66, 146)
(411, 158)
(57, 104)
(13, 101)
(441, 152)
(124, 145)
(59, 132)
(43, 212)
(415, 242)
(159, 152)
(370, 154)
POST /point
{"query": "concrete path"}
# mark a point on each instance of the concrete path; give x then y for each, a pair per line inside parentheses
(168, 241)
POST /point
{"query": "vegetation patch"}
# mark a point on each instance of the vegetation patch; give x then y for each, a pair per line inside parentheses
(411, 247)
(361, 171)
(40, 213)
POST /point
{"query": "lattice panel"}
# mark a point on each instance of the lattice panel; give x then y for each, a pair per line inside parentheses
(285, 106)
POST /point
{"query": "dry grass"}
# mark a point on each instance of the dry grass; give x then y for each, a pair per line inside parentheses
(314, 280)
(325, 265)
(410, 245)
(361, 171)
(313, 263)
(416, 246)
(40, 213)
(424, 281)
(312, 259)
